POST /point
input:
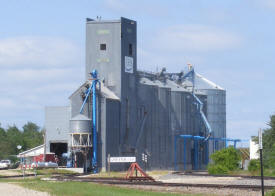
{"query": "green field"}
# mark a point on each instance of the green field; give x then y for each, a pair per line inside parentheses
(84, 188)
(88, 189)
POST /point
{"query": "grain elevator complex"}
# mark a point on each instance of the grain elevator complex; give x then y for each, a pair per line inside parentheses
(171, 118)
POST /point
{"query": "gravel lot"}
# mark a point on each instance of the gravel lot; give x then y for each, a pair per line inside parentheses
(7, 189)
(174, 178)
(197, 190)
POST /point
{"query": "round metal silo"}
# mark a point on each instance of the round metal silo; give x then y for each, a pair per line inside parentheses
(80, 124)
(80, 131)
(216, 108)
(216, 113)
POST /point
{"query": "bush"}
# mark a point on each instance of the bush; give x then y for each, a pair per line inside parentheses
(217, 169)
(254, 165)
(224, 161)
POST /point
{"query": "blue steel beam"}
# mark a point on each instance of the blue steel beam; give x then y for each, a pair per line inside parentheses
(184, 137)
(196, 140)
(175, 153)
(226, 140)
(196, 150)
(206, 152)
(195, 154)
(184, 154)
(188, 74)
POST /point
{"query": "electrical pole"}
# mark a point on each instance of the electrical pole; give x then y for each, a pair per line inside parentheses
(261, 159)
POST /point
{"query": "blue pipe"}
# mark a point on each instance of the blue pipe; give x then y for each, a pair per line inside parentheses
(206, 152)
(175, 152)
(196, 150)
(184, 150)
(195, 154)
(94, 120)
(94, 159)
(216, 145)
(184, 154)
(196, 142)
(188, 74)
(206, 123)
(86, 98)
(191, 74)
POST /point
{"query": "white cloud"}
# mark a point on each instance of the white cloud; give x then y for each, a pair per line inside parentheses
(35, 72)
(152, 60)
(198, 38)
(30, 75)
(175, 46)
(21, 88)
(37, 52)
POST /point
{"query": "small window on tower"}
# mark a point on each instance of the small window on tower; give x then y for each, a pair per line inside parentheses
(130, 50)
(102, 46)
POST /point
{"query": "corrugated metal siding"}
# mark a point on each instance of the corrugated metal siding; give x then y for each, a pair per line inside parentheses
(111, 138)
(108, 62)
(186, 120)
(216, 114)
(57, 125)
(112, 127)
(169, 112)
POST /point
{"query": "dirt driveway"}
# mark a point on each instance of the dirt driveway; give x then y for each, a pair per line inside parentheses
(7, 189)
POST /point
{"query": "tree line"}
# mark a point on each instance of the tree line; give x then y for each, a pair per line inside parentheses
(227, 160)
(269, 144)
(30, 136)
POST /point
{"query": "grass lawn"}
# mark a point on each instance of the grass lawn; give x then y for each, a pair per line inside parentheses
(50, 171)
(88, 189)
(267, 172)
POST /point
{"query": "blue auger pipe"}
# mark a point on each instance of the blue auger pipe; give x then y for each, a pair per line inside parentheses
(191, 74)
(87, 93)
(206, 123)
(94, 120)
(94, 159)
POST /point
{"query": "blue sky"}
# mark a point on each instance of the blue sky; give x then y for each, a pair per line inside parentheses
(232, 43)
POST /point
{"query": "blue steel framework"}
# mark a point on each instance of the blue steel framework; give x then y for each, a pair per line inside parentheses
(92, 89)
(196, 140)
